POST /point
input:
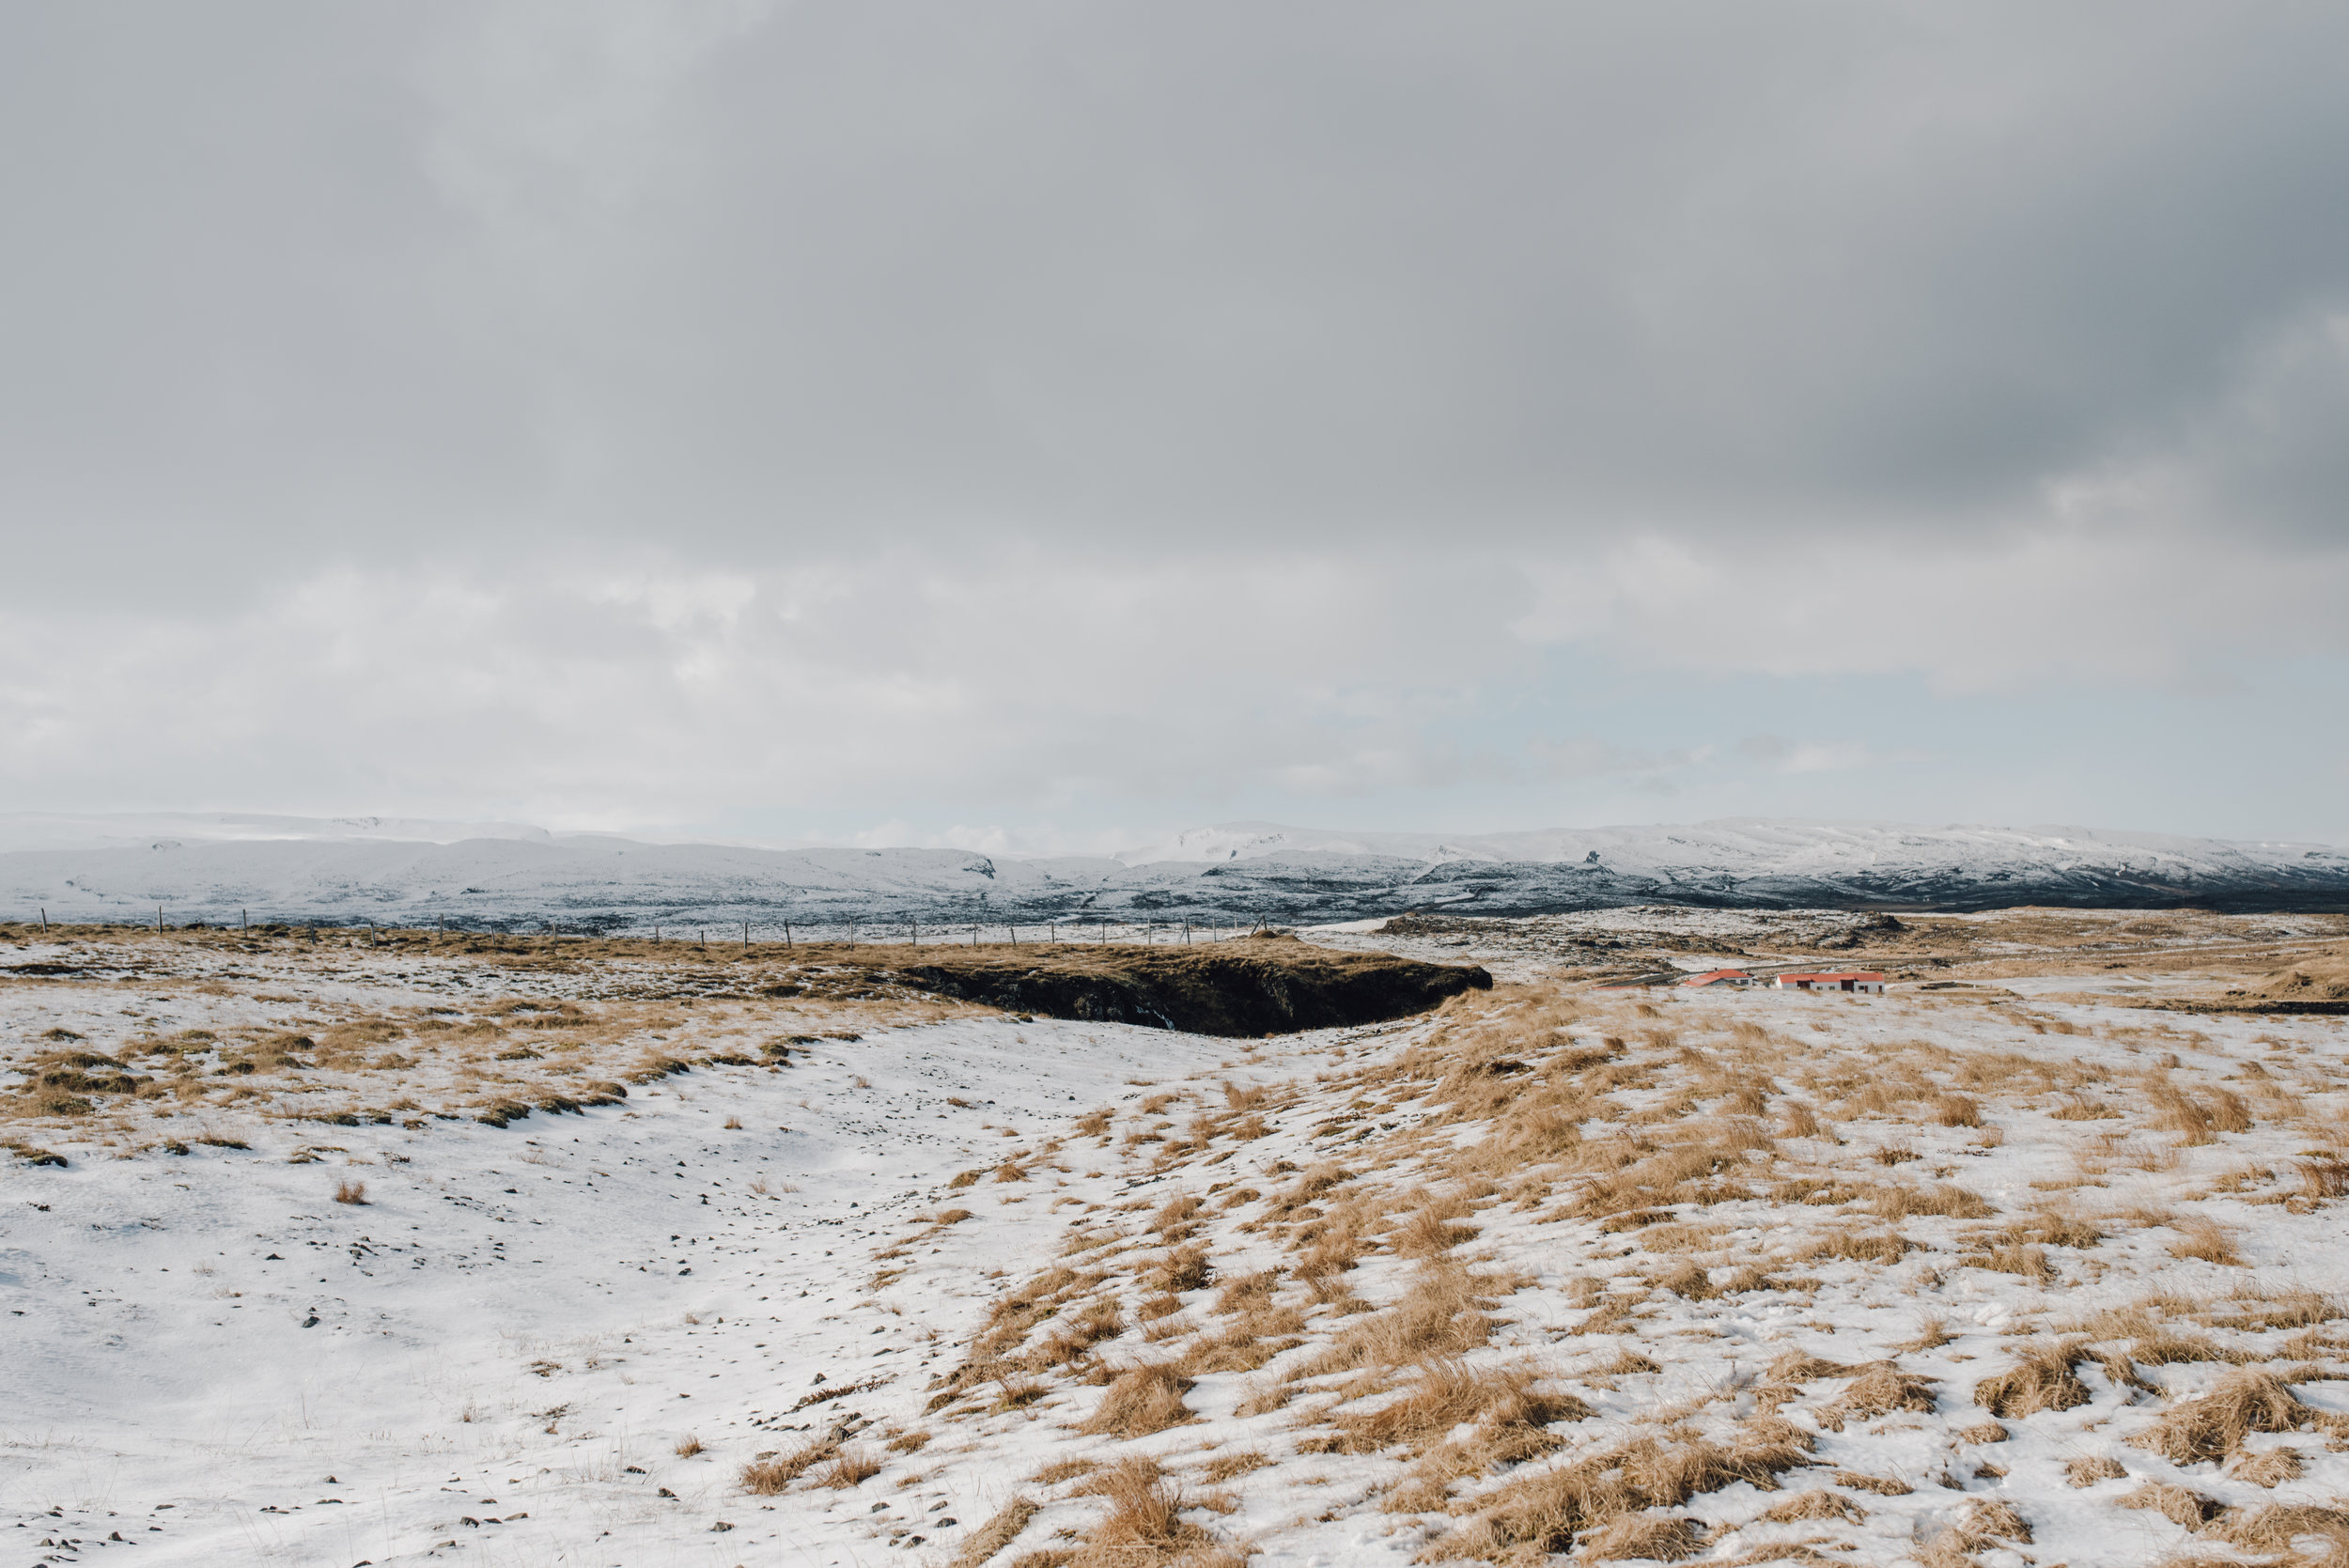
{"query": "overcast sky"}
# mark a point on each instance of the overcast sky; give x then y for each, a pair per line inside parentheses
(1044, 425)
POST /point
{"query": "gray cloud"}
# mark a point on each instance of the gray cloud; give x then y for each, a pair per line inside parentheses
(1300, 375)
(743, 277)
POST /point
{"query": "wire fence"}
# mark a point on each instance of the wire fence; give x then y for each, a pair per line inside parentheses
(916, 934)
(909, 932)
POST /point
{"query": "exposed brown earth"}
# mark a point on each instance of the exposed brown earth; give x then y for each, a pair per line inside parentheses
(1258, 986)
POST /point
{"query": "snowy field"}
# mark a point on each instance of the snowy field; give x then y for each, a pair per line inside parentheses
(1922, 1278)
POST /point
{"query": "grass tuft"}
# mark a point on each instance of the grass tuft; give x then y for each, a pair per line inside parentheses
(765, 1477)
(997, 1533)
(1140, 1401)
(2089, 1469)
(2041, 1378)
(2248, 1400)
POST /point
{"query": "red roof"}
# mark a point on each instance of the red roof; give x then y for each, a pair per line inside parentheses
(1839, 974)
(1711, 975)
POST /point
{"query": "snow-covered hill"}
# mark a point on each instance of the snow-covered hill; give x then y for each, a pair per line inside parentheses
(214, 868)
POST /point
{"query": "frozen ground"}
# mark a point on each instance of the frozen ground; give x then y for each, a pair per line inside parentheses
(1931, 1278)
(209, 1354)
(1656, 942)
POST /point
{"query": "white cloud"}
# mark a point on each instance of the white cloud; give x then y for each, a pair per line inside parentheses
(1779, 755)
(2051, 606)
(610, 690)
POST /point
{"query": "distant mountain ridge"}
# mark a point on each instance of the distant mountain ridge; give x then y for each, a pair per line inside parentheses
(512, 875)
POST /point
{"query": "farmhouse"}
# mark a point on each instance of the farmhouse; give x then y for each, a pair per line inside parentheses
(1719, 977)
(1852, 980)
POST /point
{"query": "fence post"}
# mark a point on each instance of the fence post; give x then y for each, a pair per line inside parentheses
(917, 931)
(786, 933)
(746, 936)
(44, 917)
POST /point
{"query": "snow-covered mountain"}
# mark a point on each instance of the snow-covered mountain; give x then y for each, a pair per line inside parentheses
(213, 868)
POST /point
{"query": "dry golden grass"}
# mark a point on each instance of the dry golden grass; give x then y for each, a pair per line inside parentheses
(1078, 1332)
(1817, 1503)
(2268, 1467)
(1895, 1203)
(2281, 1527)
(1931, 1334)
(1264, 1396)
(1172, 1222)
(2196, 1121)
(1796, 1367)
(1434, 1226)
(688, 1445)
(997, 1533)
(2017, 1258)
(1141, 1399)
(1547, 1512)
(850, 1467)
(1065, 1469)
(2162, 1346)
(2179, 1505)
(2252, 1307)
(2203, 1238)
(1145, 1525)
(2322, 1177)
(1440, 1315)
(1247, 1343)
(1158, 1307)
(514, 1056)
(1180, 1269)
(2246, 1400)
(1231, 1467)
(1798, 1119)
(1889, 1246)
(1248, 1293)
(2041, 1378)
(1015, 1393)
(765, 1477)
(1503, 1404)
(1984, 1524)
(1957, 1110)
(2091, 1469)
(1878, 1390)
(1644, 1539)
